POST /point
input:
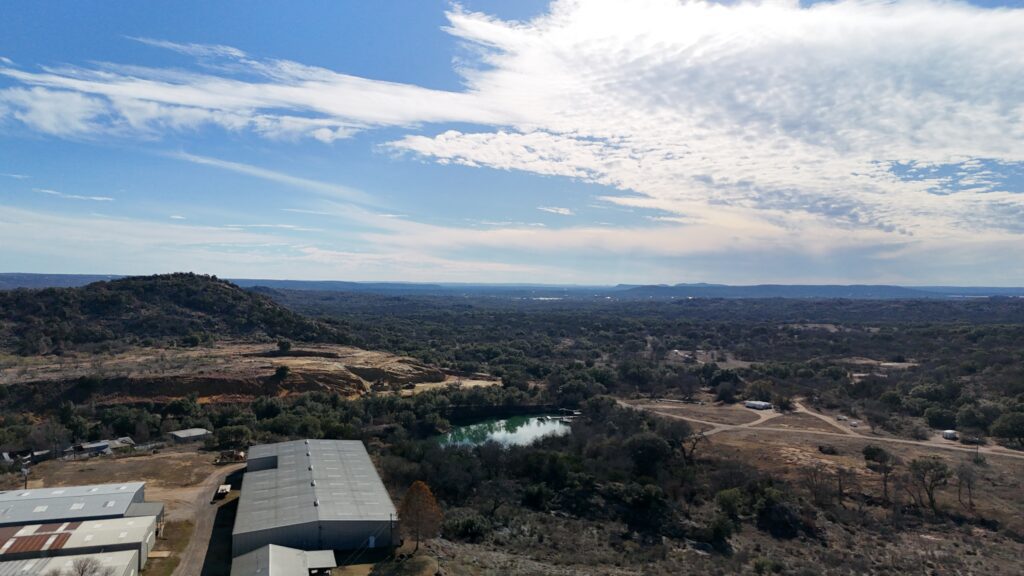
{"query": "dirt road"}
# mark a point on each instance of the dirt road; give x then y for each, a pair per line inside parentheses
(203, 514)
(717, 427)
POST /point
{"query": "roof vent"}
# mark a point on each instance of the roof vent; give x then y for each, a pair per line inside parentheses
(307, 442)
(316, 502)
(312, 482)
(308, 454)
(310, 467)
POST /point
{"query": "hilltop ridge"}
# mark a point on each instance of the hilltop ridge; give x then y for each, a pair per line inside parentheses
(182, 309)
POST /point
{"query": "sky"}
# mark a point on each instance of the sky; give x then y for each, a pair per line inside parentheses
(562, 142)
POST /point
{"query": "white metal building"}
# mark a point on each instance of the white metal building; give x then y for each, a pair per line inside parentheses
(190, 435)
(313, 495)
(76, 538)
(68, 504)
(123, 563)
(273, 560)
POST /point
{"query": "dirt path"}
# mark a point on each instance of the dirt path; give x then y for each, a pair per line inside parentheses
(800, 408)
(203, 514)
(717, 427)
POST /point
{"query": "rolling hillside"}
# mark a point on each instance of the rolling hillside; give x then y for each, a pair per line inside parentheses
(181, 309)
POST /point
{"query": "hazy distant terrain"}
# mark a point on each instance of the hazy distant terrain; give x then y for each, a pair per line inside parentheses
(622, 292)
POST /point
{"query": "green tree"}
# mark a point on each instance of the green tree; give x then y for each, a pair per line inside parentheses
(648, 452)
(1009, 426)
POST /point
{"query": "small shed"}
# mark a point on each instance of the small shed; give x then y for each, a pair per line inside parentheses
(950, 435)
(758, 405)
(190, 435)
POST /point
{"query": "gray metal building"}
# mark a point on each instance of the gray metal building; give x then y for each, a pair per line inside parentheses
(273, 560)
(123, 563)
(190, 435)
(68, 504)
(313, 495)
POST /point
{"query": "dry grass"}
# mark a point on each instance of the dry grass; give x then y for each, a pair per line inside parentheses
(175, 538)
(797, 421)
(169, 469)
(734, 414)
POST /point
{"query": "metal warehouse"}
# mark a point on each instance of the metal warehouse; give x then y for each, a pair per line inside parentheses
(117, 563)
(68, 504)
(275, 560)
(75, 538)
(190, 435)
(313, 495)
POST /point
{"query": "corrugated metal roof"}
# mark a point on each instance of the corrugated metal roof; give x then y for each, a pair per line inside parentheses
(274, 560)
(190, 432)
(122, 563)
(314, 480)
(41, 505)
(71, 535)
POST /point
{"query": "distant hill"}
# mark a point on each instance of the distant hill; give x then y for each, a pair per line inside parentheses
(10, 281)
(186, 309)
(572, 292)
(876, 292)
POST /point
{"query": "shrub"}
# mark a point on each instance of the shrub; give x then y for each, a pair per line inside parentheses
(467, 526)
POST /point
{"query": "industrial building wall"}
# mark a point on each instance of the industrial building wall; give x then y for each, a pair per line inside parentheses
(327, 535)
(261, 463)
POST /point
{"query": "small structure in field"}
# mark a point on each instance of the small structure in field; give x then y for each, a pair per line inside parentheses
(222, 491)
(190, 435)
(950, 435)
(758, 405)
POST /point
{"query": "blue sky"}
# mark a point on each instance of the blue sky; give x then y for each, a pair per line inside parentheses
(528, 141)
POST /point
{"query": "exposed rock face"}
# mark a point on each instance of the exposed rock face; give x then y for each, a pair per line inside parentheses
(225, 372)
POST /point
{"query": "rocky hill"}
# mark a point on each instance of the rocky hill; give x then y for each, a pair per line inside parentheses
(181, 309)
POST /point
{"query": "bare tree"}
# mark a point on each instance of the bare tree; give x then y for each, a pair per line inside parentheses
(818, 483)
(927, 475)
(881, 461)
(690, 444)
(966, 479)
(83, 567)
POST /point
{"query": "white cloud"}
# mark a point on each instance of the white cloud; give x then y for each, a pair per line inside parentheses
(316, 186)
(176, 217)
(16, 176)
(767, 108)
(201, 50)
(745, 125)
(49, 192)
(556, 210)
(57, 112)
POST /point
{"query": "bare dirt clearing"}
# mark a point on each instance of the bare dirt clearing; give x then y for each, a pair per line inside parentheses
(733, 414)
(223, 372)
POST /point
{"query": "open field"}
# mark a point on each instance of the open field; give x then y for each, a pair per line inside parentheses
(728, 414)
(998, 494)
(799, 421)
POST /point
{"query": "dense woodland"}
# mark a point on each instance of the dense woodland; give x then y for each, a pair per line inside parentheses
(625, 486)
(171, 309)
(963, 360)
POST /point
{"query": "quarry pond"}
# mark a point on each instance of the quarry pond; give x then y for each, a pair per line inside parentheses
(512, 431)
